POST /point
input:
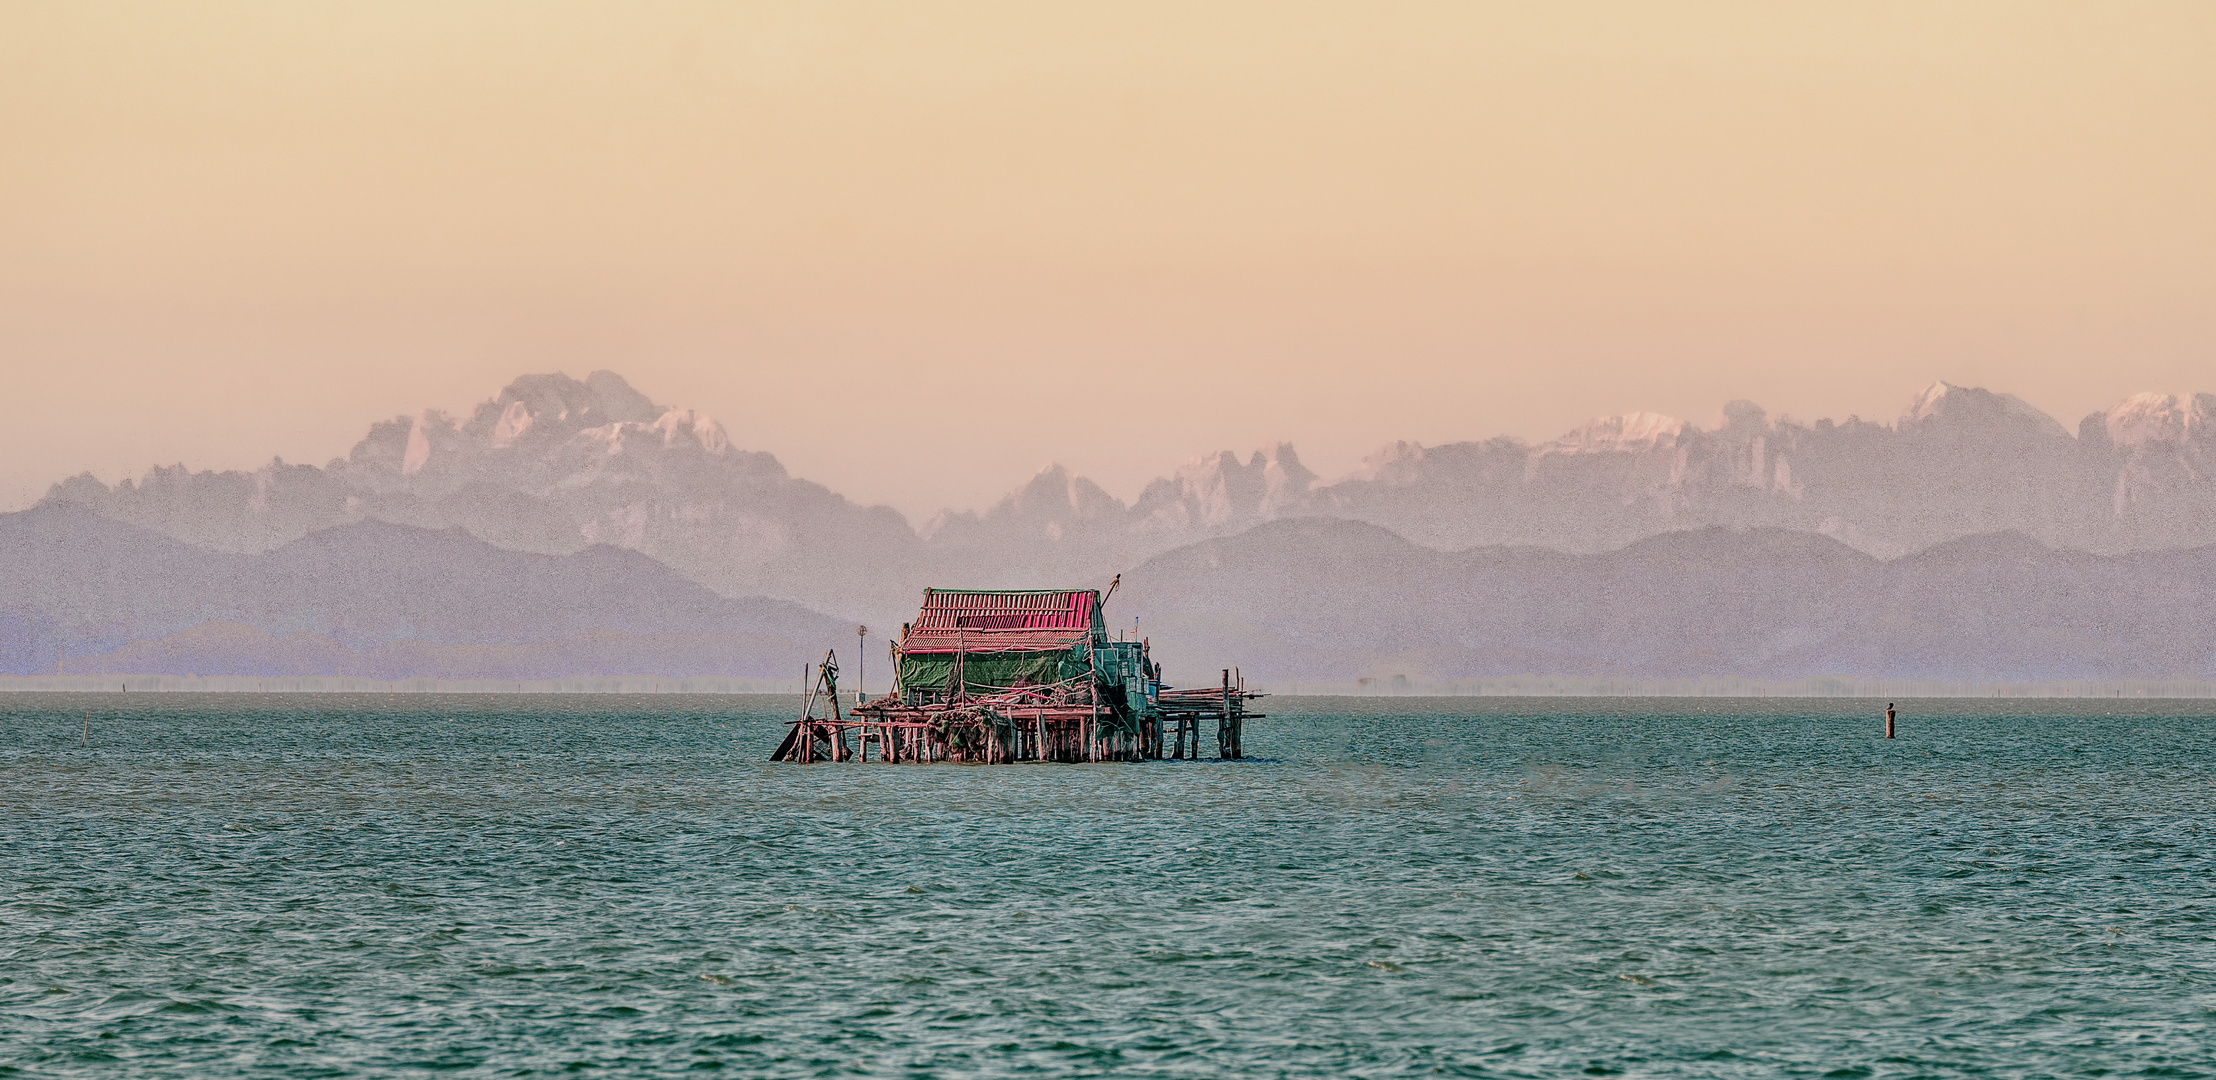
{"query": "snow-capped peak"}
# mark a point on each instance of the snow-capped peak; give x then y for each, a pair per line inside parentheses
(1394, 464)
(514, 421)
(703, 429)
(2149, 418)
(419, 450)
(1944, 403)
(1632, 432)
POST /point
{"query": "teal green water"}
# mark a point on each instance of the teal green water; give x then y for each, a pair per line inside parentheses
(512, 886)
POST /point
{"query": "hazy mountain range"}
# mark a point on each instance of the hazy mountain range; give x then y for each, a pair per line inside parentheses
(1322, 599)
(565, 509)
(369, 598)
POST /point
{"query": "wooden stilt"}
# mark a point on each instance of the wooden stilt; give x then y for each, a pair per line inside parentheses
(1223, 722)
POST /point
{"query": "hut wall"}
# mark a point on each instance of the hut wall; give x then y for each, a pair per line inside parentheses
(987, 672)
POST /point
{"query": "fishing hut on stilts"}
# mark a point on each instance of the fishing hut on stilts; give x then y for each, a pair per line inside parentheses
(993, 677)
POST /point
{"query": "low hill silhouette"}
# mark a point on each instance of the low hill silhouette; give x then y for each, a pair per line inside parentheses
(1323, 599)
(75, 583)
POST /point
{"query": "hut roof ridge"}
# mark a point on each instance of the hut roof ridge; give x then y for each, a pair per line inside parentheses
(990, 619)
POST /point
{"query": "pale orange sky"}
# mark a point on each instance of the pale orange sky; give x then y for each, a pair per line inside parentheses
(1115, 234)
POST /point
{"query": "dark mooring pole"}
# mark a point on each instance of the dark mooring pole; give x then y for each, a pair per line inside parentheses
(1238, 714)
(1888, 719)
(1224, 747)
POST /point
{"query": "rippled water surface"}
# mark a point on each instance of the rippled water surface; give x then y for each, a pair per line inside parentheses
(327, 885)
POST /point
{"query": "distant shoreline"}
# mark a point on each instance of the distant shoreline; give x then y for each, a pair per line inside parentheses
(1509, 686)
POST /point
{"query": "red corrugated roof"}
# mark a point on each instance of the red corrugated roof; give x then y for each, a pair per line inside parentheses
(1003, 621)
(1062, 609)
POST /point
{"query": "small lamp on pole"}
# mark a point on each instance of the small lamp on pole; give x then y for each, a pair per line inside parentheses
(861, 664)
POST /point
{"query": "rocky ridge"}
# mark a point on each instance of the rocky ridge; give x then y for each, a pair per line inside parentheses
(556, 465)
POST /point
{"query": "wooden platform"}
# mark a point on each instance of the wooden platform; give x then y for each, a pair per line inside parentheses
(1024, 724)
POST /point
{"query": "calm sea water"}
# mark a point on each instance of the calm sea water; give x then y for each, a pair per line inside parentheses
(336, 886)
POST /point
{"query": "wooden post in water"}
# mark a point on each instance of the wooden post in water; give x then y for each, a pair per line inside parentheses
(807, 730)
(1223, 725)
(1888, 719)
(1238, 714)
